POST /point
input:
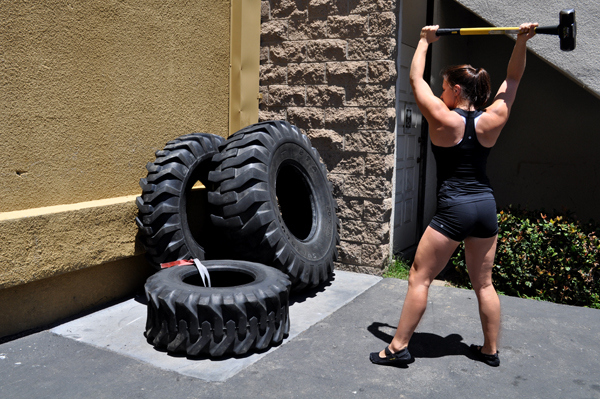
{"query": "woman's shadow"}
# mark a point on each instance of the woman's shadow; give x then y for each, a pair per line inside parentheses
(427, 345)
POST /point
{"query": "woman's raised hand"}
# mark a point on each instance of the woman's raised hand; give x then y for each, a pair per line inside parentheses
(428, 33)
(527, 30)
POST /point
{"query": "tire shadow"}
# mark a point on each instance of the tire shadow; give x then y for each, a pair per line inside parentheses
(427, 345)
(303, 295)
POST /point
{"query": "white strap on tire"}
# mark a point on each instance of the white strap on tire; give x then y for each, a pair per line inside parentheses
(203, 271)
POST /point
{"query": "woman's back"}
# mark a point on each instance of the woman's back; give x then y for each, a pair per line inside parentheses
(461, 168)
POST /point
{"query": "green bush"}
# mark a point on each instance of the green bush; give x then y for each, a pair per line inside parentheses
(548, 258)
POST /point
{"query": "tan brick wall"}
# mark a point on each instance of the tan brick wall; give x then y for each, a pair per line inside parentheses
(328, 66)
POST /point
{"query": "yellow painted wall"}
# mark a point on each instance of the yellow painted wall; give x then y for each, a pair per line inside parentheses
(45, 242)
(43, 302)
(89, 91)
(245, 63)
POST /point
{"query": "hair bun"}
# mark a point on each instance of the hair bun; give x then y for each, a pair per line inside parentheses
(475, 82)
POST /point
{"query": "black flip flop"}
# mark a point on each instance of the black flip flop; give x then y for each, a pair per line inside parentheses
(490, 360)
(392, 359)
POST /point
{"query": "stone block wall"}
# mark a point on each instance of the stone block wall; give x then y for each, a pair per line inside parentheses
(329, 67)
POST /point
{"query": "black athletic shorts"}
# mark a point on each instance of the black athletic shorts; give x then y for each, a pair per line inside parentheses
(471, 219)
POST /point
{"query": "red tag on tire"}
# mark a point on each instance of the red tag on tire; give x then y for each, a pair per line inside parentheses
(181, 262)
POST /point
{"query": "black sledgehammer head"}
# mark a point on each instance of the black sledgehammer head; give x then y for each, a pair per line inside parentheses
(566, 30)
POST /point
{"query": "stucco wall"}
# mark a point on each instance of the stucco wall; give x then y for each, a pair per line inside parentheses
(583, 64)
(90, 89)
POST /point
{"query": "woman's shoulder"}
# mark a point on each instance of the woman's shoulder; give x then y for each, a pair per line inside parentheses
(488, 127)
(450, 132)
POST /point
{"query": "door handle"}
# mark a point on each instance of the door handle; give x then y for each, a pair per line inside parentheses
(408, 118)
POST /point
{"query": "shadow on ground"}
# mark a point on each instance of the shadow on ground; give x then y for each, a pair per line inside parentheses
(427, 345)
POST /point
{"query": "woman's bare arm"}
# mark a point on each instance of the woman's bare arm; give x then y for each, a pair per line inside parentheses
(441, 120)
(493, 120)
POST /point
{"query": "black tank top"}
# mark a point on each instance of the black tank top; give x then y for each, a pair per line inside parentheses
(461, 175)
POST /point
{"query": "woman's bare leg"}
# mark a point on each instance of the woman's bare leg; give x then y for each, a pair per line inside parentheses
(479, 255)
(432, 255)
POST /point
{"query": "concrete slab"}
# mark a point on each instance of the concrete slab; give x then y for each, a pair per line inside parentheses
(120, 328)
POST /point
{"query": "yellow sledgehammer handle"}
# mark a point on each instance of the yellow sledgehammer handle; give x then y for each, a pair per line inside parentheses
(486, 31)
(476, 31)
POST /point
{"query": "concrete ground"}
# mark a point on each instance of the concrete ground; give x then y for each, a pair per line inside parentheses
(546, 350)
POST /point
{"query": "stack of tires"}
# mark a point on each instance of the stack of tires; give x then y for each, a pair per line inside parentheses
(259, 209)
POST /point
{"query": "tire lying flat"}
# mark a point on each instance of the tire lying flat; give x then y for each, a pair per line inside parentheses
(173, 216)
(274, 204)
(246, 309)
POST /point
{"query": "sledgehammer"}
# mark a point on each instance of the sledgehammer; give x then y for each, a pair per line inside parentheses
(566, 30)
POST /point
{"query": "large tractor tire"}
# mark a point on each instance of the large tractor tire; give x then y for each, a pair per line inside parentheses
(246, 309)
(173, 219)
(274, 203)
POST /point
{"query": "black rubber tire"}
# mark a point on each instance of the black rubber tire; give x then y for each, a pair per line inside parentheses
(170, 229)
(274, 202)
(246, 309)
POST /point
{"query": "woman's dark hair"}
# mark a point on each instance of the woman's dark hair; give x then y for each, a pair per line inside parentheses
(475, 83)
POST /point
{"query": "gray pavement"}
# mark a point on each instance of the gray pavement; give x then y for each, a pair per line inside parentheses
(547, 351)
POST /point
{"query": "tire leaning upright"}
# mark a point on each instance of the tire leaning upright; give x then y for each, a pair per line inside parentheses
(274, 203)
(173, 215)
